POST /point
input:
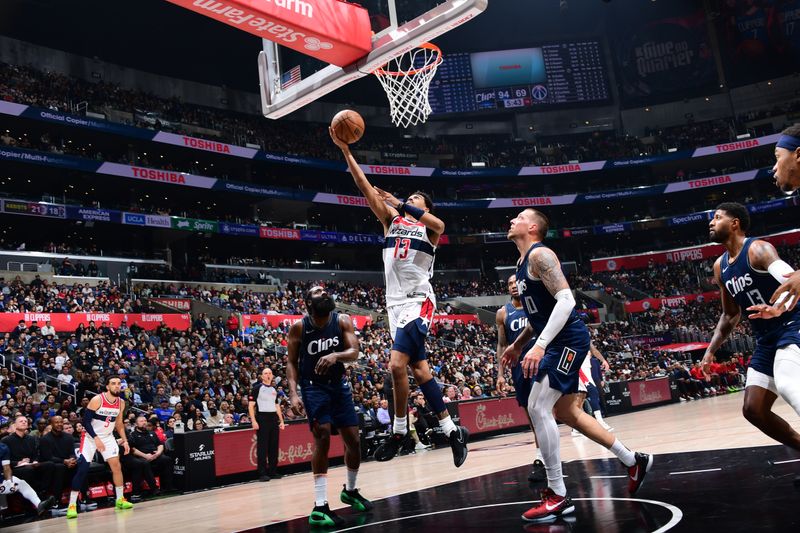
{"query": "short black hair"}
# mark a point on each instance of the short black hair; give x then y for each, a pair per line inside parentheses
(793, 130)
(735, 210)
(109, 378)
(542, 222)
(425, 196)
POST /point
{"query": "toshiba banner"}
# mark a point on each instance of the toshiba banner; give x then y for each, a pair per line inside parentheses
(287, 320)
(236, 450)
(491, 415)
(70, 321)
(641, 306)
(329, 30)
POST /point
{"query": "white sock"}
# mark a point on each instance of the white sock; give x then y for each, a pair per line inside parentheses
(539, 455)
(623, 454)
(400, 425)
(73, 497)
(351, 479)
(599, 417)
(27, 492)
(120, 492)
(320, 489)
(540, 409)
(447, 425)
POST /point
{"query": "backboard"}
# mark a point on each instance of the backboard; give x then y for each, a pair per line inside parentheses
(290, 80)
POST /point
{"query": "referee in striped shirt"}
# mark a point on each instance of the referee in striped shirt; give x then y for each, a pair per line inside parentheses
(267, 421)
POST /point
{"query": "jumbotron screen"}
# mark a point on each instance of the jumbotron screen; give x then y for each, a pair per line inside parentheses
(552, 74)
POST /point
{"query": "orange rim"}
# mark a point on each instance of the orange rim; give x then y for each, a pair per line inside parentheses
(428, 46)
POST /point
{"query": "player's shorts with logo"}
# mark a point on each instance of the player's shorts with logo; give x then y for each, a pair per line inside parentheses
(329, 403)
(409, 324)
(562, 362)
(89, 448)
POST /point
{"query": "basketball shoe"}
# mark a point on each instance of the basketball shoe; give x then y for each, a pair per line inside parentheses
(458, 443)
(72, 511)
(388, 450)
(637, 472)
(551, 507)
(122, 503)
(355, 500)
(323, 516)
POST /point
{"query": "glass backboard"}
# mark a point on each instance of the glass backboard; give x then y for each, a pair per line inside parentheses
(290, 80)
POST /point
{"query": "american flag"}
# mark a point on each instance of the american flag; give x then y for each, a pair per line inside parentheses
(290, 77)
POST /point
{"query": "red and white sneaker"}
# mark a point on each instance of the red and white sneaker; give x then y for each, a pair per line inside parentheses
(638, 471)
(551, 507)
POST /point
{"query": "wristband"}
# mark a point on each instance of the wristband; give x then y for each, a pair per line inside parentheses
(415, 212)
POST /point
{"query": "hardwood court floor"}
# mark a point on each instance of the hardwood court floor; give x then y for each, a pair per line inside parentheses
(702, 425)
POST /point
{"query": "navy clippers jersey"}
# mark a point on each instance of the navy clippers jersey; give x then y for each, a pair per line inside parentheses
(748, 286)
(317, 343)
(514, 325)
(538, 304)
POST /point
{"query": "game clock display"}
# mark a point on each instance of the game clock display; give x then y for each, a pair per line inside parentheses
(551, 74)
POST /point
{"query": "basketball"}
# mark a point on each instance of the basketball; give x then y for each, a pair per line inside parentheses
(348, 126)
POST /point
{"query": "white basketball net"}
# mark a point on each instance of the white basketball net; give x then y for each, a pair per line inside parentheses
(406, 80)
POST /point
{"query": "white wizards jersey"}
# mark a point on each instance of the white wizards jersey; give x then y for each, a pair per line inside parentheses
(407, 262)
(104, 418)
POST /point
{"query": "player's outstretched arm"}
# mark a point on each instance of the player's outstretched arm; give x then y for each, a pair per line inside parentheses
(502, 344)
(383, 212)
(292, 364)
(731, 314)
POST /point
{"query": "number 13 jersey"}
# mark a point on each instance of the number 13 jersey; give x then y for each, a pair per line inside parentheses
(748, 286)
(408, 257)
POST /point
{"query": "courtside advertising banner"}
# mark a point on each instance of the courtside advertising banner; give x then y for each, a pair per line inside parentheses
(287, 320)
(236, 452)
(70, 321)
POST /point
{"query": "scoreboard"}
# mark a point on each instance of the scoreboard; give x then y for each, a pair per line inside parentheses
(570, 73)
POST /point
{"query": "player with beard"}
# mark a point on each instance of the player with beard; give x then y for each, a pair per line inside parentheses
(412, 234)
(318, 347)
(101, 417)
(747, 273)
(787, 178)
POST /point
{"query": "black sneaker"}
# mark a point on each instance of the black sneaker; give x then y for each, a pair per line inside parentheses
(275, 476)
(46, 505)
(538, 473)
(388, 450)
(264, 478)
(637, 472)
(355, 500)
(324, 517)
(458, 443)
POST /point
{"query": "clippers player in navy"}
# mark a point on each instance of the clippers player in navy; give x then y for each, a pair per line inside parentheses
(747, 273)
(787, 179)
(412, 233)
(318, 347)
(554, 362)
(12, 484)
(510, 321)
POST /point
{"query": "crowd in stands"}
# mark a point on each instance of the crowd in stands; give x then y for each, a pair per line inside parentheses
(31, 86)
(41, 296)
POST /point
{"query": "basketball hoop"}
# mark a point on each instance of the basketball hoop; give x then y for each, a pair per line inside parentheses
(406, 80)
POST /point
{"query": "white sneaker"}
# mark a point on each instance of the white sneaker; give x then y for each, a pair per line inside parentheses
(606, 426)
(420, 446)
